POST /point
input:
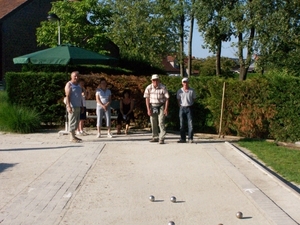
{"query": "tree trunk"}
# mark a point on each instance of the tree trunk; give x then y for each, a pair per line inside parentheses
(243, 72)
(218, 59)
(190, 41)
(181, 45)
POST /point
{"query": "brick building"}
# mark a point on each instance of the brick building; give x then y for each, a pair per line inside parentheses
(18, 22)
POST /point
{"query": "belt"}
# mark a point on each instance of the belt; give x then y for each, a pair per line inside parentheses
(157, 105)
(186, 106)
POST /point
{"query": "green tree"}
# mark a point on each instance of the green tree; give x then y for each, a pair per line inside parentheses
(83, 23)
(207, 66)
(182, 11)
(214, 25)
(279, 31)
(243, 19)
(268, 29)
(143, 29)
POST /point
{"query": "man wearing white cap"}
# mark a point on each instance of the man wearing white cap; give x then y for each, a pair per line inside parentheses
(186, 97)
(157, 103)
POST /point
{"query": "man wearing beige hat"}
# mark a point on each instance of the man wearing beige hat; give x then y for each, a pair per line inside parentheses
(157, 103)
(185, 98)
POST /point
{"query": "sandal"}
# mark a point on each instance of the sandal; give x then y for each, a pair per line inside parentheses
(78, 139)
(75, 140)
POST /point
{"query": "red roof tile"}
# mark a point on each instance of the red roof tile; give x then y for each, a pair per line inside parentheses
(7, 6)
(167, 65)
(170, 58)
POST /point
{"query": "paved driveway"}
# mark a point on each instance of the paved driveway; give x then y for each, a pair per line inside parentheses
(44, 179)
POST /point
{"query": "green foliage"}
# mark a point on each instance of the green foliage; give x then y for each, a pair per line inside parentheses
(85, 69)
(212, 22)
(17, 119)
(207, 67)
(83, 24)
(42, 92)
(139, 67)
(266, 28)
(3, 97)
(283, 160)
(148, 30)
(125, 66)
(286, 97)
(278, 32)
(143, 30)
(247, 108)
(265, 107)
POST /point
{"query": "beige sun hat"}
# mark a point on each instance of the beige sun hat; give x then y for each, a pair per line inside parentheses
(154, 77)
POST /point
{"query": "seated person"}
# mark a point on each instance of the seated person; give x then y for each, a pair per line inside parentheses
(126, 111)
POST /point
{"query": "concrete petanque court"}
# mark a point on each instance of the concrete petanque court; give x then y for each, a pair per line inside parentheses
(45, 179)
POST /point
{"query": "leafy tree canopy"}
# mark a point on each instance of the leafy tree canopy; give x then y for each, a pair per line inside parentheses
(83, 23)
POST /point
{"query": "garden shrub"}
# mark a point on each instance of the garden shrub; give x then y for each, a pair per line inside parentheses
(18, 119)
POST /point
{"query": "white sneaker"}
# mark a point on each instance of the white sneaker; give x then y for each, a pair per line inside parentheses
(83, 133)
(78, 132)
(109, 135)
(98, 135)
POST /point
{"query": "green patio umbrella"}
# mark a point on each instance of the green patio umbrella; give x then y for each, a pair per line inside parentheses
(64, 55)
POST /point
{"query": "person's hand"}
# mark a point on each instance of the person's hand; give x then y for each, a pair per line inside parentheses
(105, 108)
(149, 112)
(165, 112)
(69, 109)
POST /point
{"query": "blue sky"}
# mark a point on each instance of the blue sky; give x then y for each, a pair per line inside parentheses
(199, 52)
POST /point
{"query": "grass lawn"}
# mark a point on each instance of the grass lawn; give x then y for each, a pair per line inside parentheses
(284, 161)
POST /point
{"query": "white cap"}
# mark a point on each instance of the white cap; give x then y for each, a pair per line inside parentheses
(185, 80)
(154, 77)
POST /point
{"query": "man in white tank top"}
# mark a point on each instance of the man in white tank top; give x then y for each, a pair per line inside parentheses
(74, 104)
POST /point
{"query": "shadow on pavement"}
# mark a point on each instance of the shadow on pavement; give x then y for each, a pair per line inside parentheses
(4, 166)
(44, 148)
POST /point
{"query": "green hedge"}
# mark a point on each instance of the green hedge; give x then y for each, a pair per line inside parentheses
(285, 96)
(260, 107)
(40, 91)
(266, 107)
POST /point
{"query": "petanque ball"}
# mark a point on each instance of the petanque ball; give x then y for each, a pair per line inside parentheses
(171, 223)
(151, 198)
(173, 199)
(239, 215)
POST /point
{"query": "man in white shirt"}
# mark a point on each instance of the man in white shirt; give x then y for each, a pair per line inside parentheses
(157, 103)
(185, 98)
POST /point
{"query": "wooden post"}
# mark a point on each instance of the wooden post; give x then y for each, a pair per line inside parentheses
(222, 106)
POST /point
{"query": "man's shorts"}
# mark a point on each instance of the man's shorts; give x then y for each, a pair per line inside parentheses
(83, 115)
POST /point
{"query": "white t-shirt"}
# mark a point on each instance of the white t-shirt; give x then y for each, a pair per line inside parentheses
(186, 97)
(103, 95)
